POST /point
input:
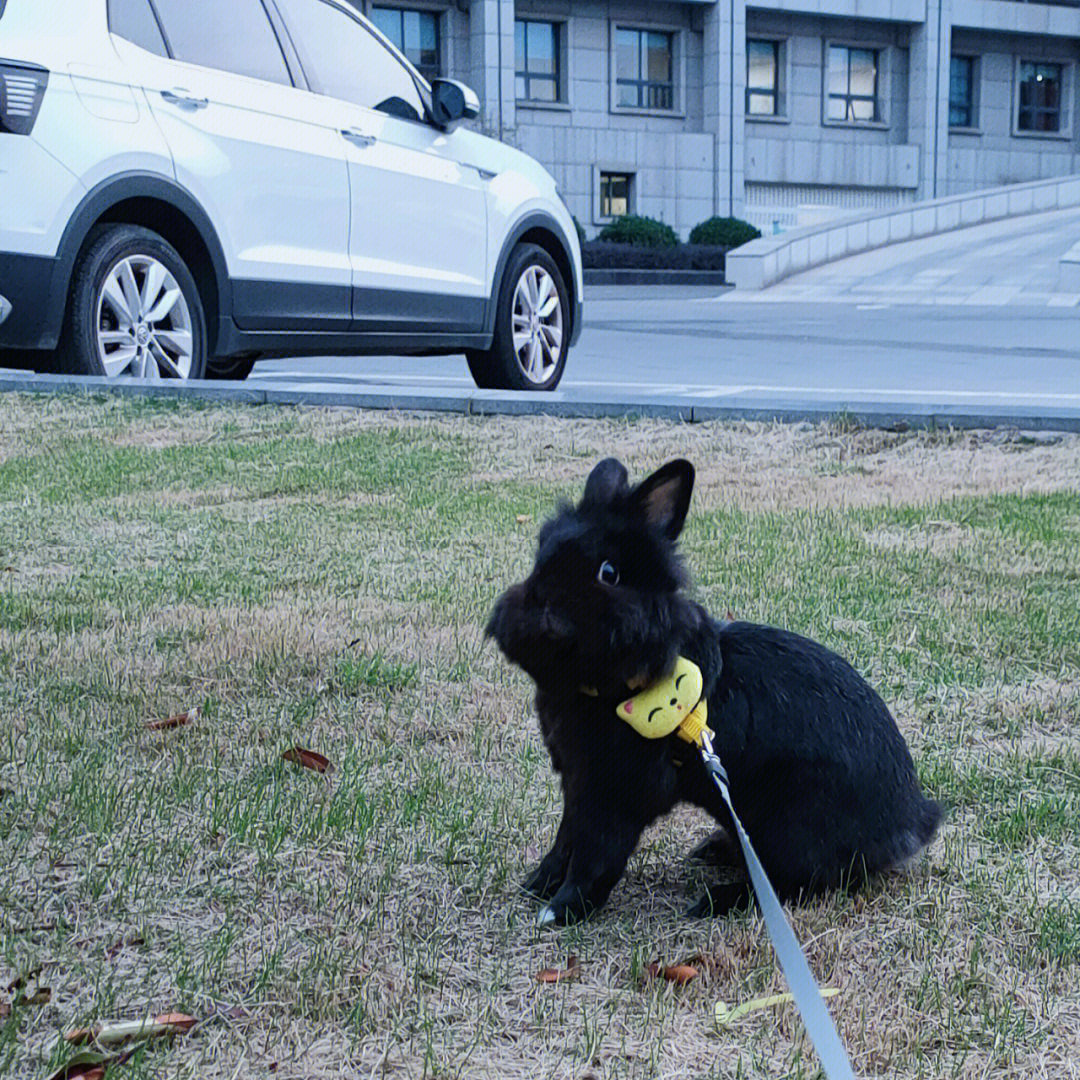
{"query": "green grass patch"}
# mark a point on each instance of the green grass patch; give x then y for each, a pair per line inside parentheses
(322, 580)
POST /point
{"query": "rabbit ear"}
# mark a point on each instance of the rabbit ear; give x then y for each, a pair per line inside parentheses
(606, 481)
(664, 497)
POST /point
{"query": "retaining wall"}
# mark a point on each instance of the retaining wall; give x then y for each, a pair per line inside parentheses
(765, 261)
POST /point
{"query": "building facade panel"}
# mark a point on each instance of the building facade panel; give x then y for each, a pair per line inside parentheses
(784, 112)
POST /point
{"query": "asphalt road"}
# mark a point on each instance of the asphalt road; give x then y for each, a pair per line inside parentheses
(704, 347)
(969, 315)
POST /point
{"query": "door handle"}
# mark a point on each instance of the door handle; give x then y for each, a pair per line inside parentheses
(184, 98)
(358, 138)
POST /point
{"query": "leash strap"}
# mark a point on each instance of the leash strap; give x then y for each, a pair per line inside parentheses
(808, 999)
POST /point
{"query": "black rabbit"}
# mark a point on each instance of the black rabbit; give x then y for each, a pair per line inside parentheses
(820, 776)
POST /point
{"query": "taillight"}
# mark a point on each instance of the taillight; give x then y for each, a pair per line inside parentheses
(22, 86)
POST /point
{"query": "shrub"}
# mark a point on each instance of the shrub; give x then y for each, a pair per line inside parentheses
(639, 231)
(597, 254)
(727, 231)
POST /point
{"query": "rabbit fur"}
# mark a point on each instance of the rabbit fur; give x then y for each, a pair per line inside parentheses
(819, 773)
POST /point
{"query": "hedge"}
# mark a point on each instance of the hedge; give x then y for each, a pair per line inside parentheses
(598, 254)
(728, 231)
(639, 232)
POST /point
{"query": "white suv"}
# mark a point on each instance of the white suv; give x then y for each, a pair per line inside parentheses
(187, 185)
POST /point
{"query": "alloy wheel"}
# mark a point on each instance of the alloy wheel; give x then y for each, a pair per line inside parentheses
(143, 322)
(537, 324)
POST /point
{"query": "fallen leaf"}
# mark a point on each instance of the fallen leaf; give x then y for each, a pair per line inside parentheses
(676, 973)
(524, 519)
(554, 975)
(5, 1010)
(730, 616)
(179, 720)
(680, 973)
(726, 1015)
(309, 759)
(173, 1023)
(90, 1065)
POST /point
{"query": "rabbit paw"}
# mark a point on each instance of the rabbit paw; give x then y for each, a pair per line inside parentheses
(721, 900)
(719, 848)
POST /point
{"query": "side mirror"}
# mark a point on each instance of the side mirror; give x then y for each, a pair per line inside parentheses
(452, 101)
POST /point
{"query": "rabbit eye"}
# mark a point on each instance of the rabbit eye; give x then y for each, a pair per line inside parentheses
(607, 574)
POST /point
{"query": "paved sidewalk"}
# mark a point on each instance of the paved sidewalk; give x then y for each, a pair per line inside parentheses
(1011, 262)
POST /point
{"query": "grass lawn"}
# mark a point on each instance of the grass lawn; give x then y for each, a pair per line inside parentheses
(321, 579)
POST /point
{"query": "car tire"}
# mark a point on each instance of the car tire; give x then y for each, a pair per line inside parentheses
(134, 309)
(230, 367)
(532, 326)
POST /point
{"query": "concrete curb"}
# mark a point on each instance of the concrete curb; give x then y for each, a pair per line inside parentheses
(866, 409)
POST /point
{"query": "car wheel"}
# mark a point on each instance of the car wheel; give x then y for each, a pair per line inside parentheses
(134, 310)
(528, 351)
(230, 367)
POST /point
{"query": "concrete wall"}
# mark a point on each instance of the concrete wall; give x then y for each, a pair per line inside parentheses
(994, 153)
(763, 262)
(669, 153)
(706, 156)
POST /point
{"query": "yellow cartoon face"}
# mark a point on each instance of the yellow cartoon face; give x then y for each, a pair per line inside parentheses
(659, 709)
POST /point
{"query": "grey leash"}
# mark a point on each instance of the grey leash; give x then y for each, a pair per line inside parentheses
(808, 999)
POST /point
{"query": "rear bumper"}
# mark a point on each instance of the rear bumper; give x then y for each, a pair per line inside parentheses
(27, 285)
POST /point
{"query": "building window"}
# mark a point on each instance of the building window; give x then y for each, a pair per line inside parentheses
(853, 85)
(962, 92)
(615, 193)
(763, 78)
(644, 69)
(1040, 97)
(415, 33)
(537, 68)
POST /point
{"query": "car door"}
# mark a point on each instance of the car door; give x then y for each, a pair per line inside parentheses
(273, 180)
(418, 237)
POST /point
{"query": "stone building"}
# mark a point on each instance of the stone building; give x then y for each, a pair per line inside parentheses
(778, 111)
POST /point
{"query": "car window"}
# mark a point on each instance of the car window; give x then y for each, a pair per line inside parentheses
(134, 21)
(344, 59)
(231, 36)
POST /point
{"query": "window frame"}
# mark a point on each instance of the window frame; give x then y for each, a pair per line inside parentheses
(613, 169)
(313, 84)
(882, 81)
(975, 95)
(563, 82)
(440, 32)
(783, 80)
(110, 14)
(678, 74)
(1066, 107)
(273, 19)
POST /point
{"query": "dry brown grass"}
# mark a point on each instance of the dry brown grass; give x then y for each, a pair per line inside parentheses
(368, 923)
